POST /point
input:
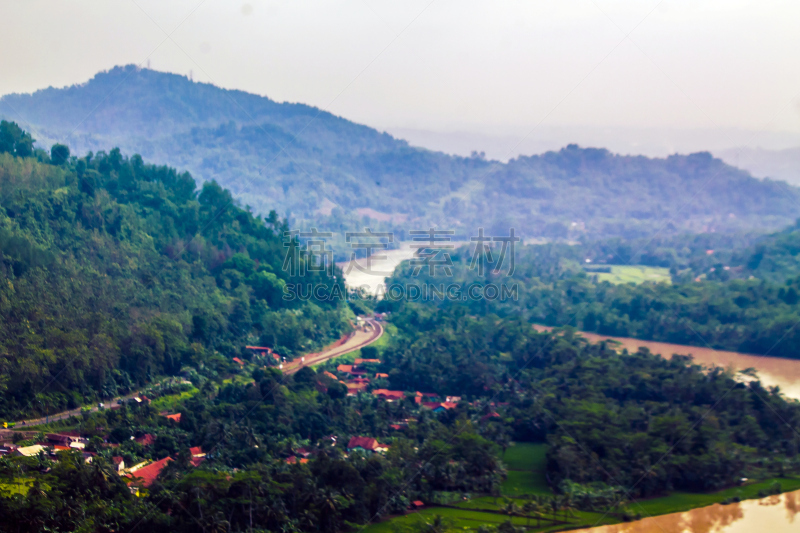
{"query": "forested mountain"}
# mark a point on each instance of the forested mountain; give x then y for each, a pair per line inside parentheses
(321, 169)
(114, 272)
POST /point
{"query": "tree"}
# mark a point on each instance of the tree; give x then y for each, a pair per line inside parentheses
(59, 154)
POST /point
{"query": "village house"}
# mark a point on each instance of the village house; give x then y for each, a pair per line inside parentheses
(368, 444)
(119, 463)
(389, 395)
(198, 456)
(359, 362)
(30, 451)
(62, 439)
(146, 475)
(146, 440)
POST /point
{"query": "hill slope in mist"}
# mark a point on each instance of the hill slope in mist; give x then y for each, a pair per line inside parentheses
(324, 170)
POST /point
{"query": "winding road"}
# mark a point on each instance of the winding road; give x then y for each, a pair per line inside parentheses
(358, 339)
(371, 332)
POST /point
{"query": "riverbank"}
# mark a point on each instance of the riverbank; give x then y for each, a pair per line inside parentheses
(772, 371)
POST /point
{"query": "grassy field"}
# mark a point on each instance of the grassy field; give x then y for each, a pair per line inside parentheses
(171, 402)
(525, 463)
(634, 274)
(684, 501)
(468, 519)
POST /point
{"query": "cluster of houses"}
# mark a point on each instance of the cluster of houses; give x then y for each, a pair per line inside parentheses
(260, 351)
(53, 443)
(141, 475)
(357, 377)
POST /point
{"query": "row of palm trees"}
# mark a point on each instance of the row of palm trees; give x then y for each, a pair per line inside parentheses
(537, 506)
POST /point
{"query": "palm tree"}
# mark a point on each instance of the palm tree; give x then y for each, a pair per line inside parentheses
(511, 508)
(567, 505)
(553, 502)
(531, 507)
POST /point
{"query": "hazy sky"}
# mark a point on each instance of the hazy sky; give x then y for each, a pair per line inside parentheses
(501, 68)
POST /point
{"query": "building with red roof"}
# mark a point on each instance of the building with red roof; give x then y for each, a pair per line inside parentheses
(355, 388)
(389, 395)
(238, 361)
(380, 375)
(149, 473)
(439, 406)
(118, 462)
(146, 440)
(366, 361)
(363, 443)
(175, 417)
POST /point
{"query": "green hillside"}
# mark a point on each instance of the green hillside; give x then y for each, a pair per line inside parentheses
(114, 271)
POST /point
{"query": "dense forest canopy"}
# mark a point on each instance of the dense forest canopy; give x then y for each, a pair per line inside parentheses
(114, 272)
(752, 306)
(629, 425)
(317, 168)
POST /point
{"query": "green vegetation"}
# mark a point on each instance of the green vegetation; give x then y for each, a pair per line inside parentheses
(525, 463)
(114, 272)
(633, 274)
(323, 168)
(552, 288)
(684, 501)
(19, 486)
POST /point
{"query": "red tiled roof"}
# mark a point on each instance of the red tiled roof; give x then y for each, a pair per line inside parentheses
(176, 417)
(418, 503)
(238, 361)
(396, 427)
(195, 461)
(146, 440)
(380, 375)
(293, 460)
(361, 361)
(150, 472)
(436, 405)
(389, 394)
(196, 450)
(366, 443)
(345, 368)
(356, 387)
(116, 460)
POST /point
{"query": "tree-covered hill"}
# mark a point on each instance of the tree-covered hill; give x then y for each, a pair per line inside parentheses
(114, 272)
(317, 168)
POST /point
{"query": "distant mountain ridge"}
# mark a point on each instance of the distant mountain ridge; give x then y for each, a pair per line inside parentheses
(320, 169)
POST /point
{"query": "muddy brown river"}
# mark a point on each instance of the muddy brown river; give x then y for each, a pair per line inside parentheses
(772, 371)
(775, 514)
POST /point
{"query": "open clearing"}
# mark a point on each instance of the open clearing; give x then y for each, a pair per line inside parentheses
(633, 274)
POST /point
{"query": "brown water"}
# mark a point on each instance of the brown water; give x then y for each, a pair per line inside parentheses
(775, 514)
(772, 371)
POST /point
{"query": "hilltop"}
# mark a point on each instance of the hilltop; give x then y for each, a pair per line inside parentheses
(317, 168)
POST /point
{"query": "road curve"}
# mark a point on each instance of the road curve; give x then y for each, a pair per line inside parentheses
(359, 339)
